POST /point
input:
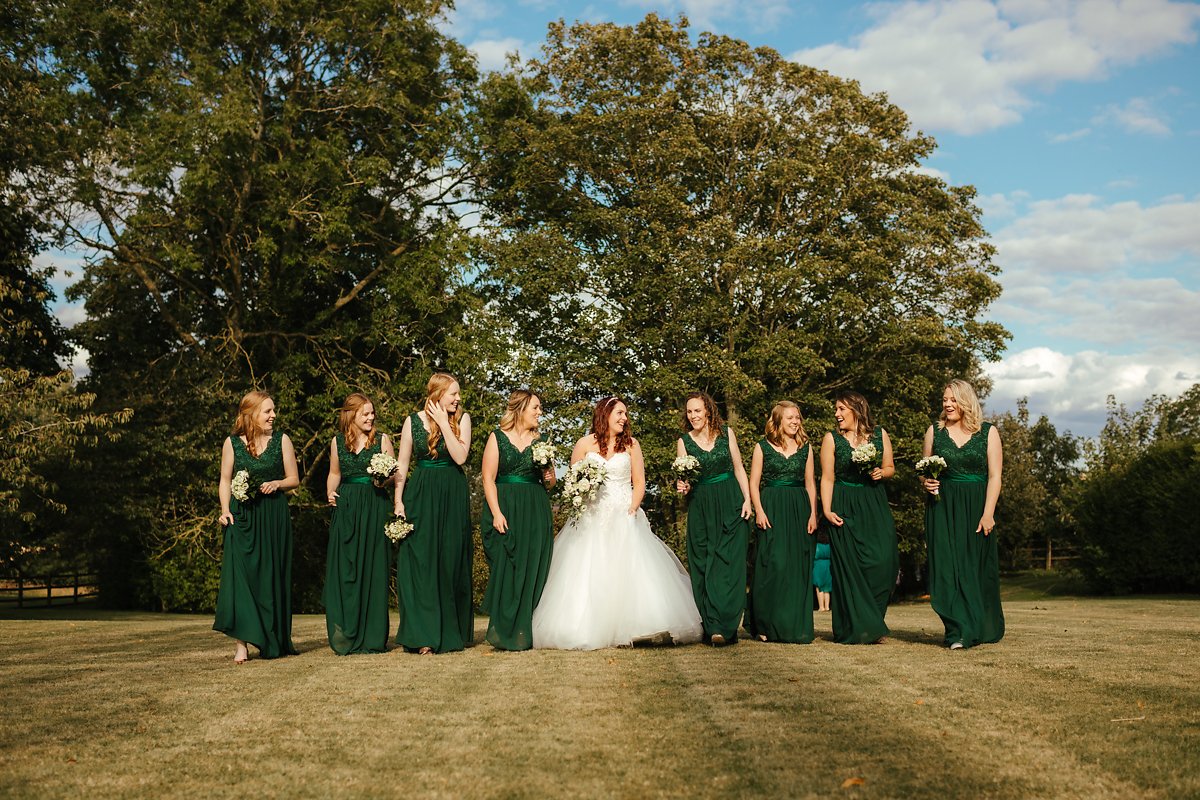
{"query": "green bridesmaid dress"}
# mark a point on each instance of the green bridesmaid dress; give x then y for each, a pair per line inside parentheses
(964, 571)
(433, 564)
(717, 538)
(359, 558)
(863, 555)
(781, 589)
(254, 601)
(519, 559)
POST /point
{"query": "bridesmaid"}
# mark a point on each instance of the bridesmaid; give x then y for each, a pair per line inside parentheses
(822, 578)
(717, 528)
(864, 558)
(359, 558)
(784, 495)
(517, 525)
(254, 601)
(964, 572)
(433, 565)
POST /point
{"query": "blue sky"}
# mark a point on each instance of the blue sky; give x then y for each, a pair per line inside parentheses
(1078, 122)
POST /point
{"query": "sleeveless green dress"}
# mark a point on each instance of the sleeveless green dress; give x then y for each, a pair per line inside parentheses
(863, 555)
(254, 601)
(520, 559)
(433, 565)
(781, 587)
(964, 571)
(717, 538)
(358, 561)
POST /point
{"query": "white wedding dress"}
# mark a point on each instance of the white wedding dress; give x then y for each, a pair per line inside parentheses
(611, 580)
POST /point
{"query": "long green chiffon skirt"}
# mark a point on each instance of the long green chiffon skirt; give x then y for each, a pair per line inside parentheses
(254, 601)
(964, 571)
(864, 562)
(717, 538)
(519, 561)
(781, 589)
(433, 565)
(357, 564)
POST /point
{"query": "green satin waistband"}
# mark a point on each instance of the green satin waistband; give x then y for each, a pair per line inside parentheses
(965, 478)
(723, 476)
(357, 479)
(841, 482)
(783, 483)
(425, 463)
(515, 479)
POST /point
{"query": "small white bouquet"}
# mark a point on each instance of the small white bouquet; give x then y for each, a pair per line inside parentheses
(239, 487)
(866, 456)
(931, 467)
(381, 468)
(685, 468)
(581, 483)
(398, 529)
(543, 454)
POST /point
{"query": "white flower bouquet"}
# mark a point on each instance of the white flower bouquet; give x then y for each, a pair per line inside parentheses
(382, 467)
(581, 483)
(931, 467)
(866, 456)
(239, 487)
(543, 454)
(398, 529)
(685, 468)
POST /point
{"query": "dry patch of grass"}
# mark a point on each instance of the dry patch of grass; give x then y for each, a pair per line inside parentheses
(1087, 698)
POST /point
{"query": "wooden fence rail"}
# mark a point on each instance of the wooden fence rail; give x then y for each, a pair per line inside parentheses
(44, 590)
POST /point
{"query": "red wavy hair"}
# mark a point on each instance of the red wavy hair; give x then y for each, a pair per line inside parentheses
(600, 426)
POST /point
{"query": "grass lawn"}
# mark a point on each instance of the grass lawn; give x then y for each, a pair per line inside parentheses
(1085, 697)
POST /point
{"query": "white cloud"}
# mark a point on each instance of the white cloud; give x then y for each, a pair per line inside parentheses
(1059, 138)
(1137, 116)
(1078, 233)
(492, 54)
(968, 65)
(1071, 388)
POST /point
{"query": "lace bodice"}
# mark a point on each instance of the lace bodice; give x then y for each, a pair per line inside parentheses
(420, 436)
(514, 461)
(970, 460)
(777, 467)
(716, 461)
(354, 465)
(845, 469)
(617, 491)
(268, 466)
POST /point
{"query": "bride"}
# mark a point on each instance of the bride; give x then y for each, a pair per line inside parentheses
(612, 581)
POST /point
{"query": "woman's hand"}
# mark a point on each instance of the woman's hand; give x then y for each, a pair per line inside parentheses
(399, 509)
(438, 414)
(877, 474)
(747, 510)
(761, 520)
(500, 523)
(931, 485)
(226, 518)
(548, 474)
(812, 523)
(683, 487)
(834, 519)
(333, 496)
(269, 487)
(986, 524)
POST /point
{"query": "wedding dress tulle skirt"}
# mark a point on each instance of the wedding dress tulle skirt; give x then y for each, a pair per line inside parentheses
(612, 581)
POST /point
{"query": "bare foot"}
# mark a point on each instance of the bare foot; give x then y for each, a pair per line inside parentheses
(718, 639)
(762, 637)
(241, 655)
(425, 651)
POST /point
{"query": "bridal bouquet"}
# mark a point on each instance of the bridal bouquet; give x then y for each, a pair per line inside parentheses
(398, 529)
(685, 468)
(581, 483)
(543, 454)
(931, 467)
(382, 467)
(239, 487)
(866, 456)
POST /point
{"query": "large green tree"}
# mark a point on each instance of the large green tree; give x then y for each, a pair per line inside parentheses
(663, 215)
(268, 189)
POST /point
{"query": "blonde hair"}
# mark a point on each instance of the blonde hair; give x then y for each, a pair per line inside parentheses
(245, 425)
(518, 403)
(968, 403)
(775, 424)
(440, 383)
(346, 415)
